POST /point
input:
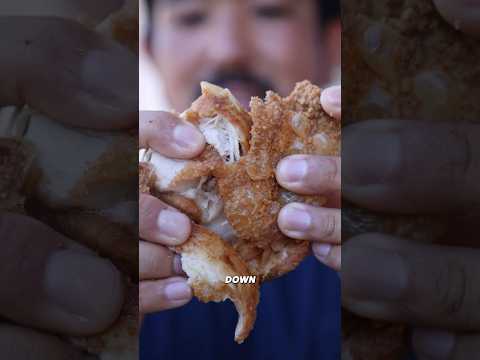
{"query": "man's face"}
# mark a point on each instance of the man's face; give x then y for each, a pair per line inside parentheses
(248, 46)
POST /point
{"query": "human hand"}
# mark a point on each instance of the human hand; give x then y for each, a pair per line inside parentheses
(315, 175)
(162, 285)
(67, 72)
(49, 283)
(416, 168)
(53, 285)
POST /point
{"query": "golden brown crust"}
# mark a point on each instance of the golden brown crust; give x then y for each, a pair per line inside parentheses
(217, 101)
(402, 60)
(203, 166)
(205, 252)
(207, 248)
(146, 178)
(252, 197)
(15, 163)
(123, 25)
(364, 339)
(183, 204)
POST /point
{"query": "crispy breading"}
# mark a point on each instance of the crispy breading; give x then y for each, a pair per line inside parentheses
(146, 177)
(203, 166)
(372, 340)
(123, 25)
(208, 259)
(402, 60)
(252, 197)
(247, 189)
(182, 203)
(16, 160)
(218, 101)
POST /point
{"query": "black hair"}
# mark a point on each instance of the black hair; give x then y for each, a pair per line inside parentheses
(327, 9)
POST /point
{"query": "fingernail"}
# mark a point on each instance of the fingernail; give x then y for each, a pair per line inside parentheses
(374, 274)
(173, 225)
(177, 265)
(186, 136)
(370, 157)
(333, 95)
(433, 344)
(295, 218)
(178, 291)
(321, 251)
(292, 170)
(85, 286)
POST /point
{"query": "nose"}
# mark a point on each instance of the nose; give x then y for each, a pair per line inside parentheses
(229, 45)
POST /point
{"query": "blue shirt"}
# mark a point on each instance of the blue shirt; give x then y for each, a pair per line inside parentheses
(298, 317)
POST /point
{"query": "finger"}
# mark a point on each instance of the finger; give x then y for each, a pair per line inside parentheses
(389, 278)
(464, 15)
(161, 224)
(18, 343)
(169, 135)
(300, 221)
(67, 72)
(331, 99)
(328, 255)
(163, 294)
(309, 174)
(157, 262)
(48, 285)
(411, 167)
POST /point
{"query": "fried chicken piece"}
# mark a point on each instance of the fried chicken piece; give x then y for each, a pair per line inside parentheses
(222, 120)
(231, 188)
(16, 160)
(296, 124)
(402, 60)
(207, 260)
(123, 25)
(372, 340)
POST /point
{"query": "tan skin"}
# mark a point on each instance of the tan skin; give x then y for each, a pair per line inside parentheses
(208, 50)
(193, 39)
(161, 283)
(414, 285)
(260, 36)
(65, 289)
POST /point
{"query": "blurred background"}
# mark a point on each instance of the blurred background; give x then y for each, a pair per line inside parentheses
(151, 92)
(249, 47)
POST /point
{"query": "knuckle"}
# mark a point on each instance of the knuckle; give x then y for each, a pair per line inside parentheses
(150, 297)
(327, 226)
(148, 262)
(141, 298)
(333, 169)
(452, 285)
(148, 211)
(325, 172)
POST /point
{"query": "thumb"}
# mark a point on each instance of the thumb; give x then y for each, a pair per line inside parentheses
(49, 284)
(464, 15)
(67, 72)
(394, 279)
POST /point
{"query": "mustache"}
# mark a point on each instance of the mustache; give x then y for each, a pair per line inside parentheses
(258, 84)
